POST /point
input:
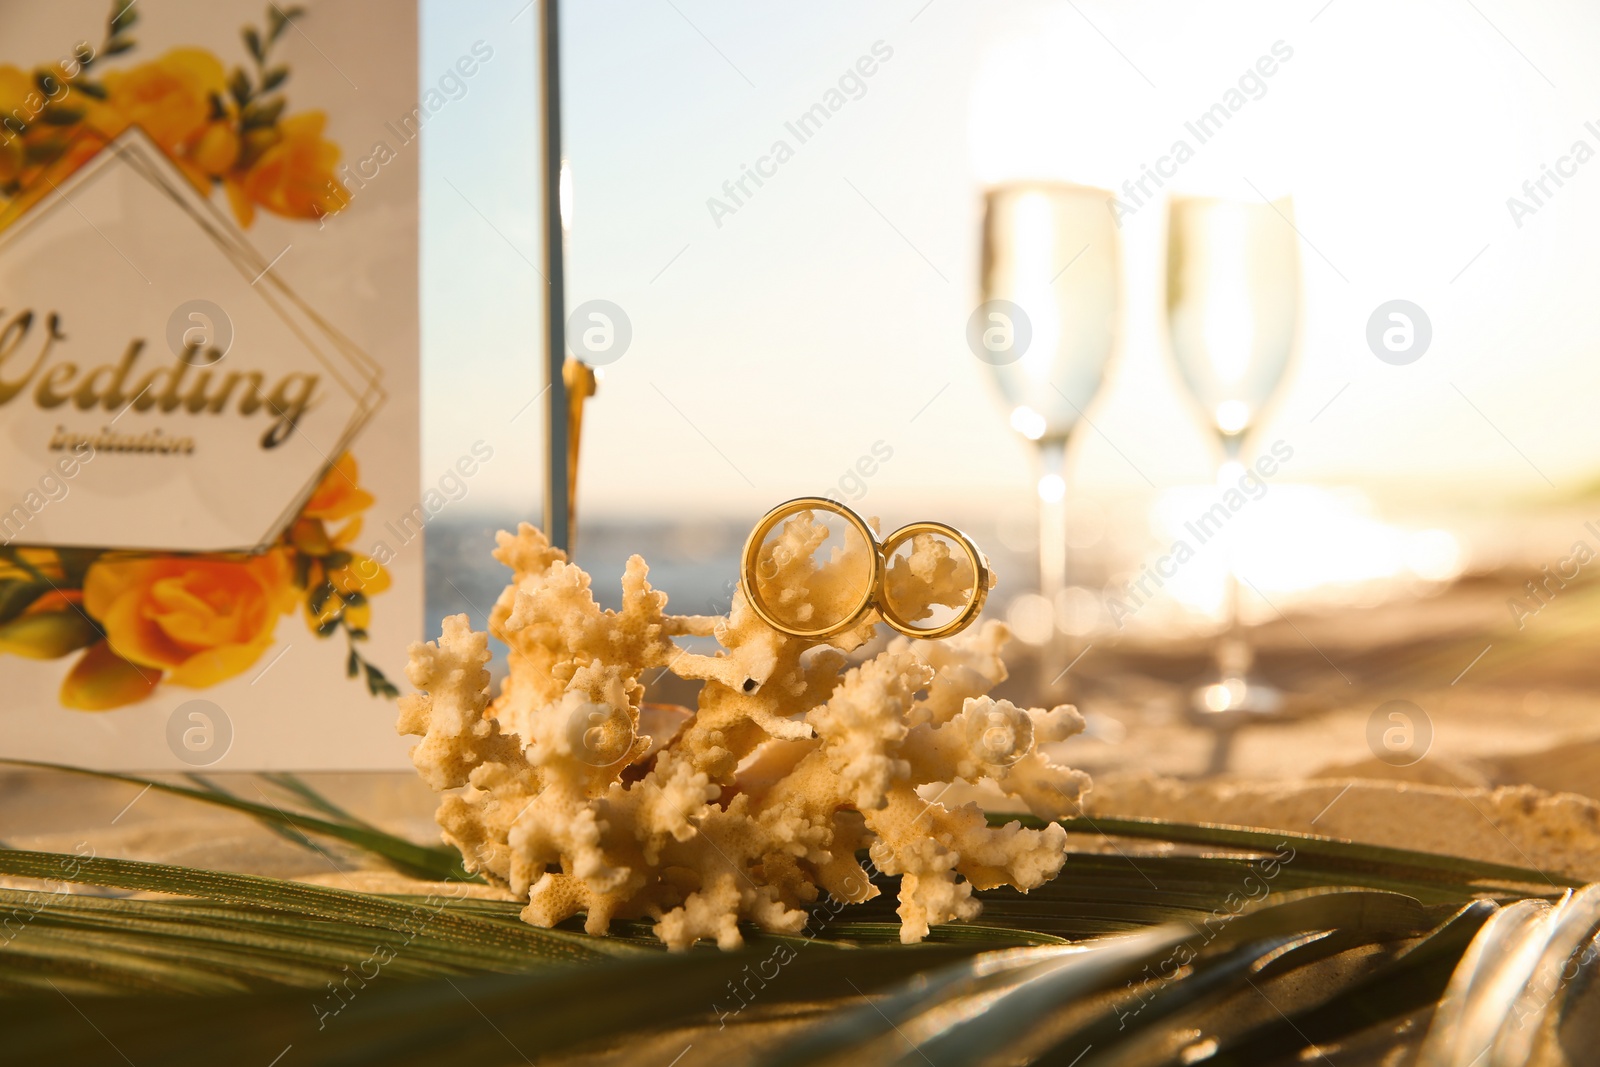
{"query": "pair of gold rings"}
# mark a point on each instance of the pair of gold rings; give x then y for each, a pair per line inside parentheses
(759, 569)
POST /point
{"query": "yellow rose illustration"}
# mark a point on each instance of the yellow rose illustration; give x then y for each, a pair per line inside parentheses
(218, 126)
(24, 563)
(188, 621)
(171, 100)
(50, 628)
(103, 680)
(15, 87)
(339, 495)
(54, 623)
(338, 580)
(342, 591)
(139, 620)
(294, 177)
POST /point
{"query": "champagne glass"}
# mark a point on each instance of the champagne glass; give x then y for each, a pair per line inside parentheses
(1050, 282)
(1233, 298)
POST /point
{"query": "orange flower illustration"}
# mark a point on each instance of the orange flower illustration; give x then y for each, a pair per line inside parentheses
(15, 88)
(218, 126)
(338, 580)
(141, 620)
(294, 177)
(192, 620)
(188, 621)
(344, 591)
(339, 495)
(51, 627)
(171, 100)
(102, 680)
(41, 564)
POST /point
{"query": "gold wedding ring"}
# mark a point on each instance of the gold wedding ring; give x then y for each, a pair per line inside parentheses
(757, 572)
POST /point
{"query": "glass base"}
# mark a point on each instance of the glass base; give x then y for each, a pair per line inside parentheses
(1226, 705)
(1237, 698)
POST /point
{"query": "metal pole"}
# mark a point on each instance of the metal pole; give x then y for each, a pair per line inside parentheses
(557, 521)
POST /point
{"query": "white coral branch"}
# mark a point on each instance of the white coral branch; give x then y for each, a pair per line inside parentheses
(750, 807)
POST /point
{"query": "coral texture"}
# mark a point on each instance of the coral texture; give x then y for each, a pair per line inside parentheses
(579, 798)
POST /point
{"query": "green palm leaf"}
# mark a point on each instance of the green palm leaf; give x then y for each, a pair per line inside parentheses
(1414, 979)
(481, 1018)
(422, 861)
(1018, 994)
(1508, 991)
(509, 940)
(1327, 852)
(354, 977)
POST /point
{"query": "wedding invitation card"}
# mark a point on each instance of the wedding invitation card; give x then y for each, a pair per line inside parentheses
(209, 412)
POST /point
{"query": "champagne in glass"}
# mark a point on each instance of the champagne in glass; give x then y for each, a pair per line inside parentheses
(1050, 282)
(1233, 299)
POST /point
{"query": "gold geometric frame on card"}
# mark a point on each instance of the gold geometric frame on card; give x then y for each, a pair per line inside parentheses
(352, 370)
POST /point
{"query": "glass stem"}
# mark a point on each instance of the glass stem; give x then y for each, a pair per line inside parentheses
(1052, 519)
(1052, 552)
(1230, 605)
(1233, 650)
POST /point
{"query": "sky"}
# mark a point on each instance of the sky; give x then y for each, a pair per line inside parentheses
(778, 339)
